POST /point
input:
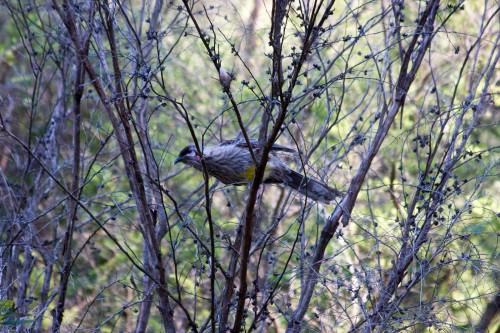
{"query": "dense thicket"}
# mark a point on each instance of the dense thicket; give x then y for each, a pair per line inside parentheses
(395, 103)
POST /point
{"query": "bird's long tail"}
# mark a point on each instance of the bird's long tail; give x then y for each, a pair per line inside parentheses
(312, 188)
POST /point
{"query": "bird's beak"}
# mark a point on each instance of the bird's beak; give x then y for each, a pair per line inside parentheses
(177, 160)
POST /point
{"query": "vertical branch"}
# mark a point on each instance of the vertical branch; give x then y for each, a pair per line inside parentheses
(123, 132)
(276, 37)
(137, 181)
(65, 271)
(45, 300)
(311, 34)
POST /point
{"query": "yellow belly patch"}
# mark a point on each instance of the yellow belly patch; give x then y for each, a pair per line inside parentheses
(249, 173)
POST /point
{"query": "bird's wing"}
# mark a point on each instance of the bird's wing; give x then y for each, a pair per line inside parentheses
(240, 142)
(254, 143)
(282, 148)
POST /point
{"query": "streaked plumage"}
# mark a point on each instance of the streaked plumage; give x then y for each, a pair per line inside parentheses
(231, 162)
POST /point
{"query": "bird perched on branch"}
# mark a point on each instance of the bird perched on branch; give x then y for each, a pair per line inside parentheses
(231, 162)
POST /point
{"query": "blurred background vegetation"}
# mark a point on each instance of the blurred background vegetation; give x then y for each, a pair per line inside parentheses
(171, 86)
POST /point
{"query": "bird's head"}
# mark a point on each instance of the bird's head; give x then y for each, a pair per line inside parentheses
(189, 156)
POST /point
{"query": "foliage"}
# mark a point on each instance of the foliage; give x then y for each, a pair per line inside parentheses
(8, 315)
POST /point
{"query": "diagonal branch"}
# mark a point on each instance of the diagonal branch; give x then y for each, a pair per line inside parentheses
(424, 29)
